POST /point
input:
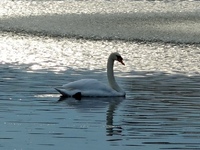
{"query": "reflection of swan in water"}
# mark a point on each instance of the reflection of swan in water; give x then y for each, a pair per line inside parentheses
(93, 87)
(91, 102)
(111, 128)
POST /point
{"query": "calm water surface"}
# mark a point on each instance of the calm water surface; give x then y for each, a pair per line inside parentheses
(161, 79)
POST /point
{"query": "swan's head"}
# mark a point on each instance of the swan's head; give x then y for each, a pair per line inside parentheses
(117, 56)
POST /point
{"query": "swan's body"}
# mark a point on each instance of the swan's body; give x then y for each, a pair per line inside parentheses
(93, 87)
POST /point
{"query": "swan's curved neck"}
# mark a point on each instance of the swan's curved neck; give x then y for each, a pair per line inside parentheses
(110, 76)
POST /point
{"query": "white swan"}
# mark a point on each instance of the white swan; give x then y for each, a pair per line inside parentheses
(93, 87)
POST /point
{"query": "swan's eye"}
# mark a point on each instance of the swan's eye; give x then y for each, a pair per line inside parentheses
(119, 58)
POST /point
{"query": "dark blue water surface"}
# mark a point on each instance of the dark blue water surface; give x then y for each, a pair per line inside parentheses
(160, 111)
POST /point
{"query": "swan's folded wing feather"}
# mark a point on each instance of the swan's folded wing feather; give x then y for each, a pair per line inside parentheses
(66, 93)
(85, 84)
(100, 93)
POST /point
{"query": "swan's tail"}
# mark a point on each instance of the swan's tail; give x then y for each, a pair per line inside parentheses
(64, 93)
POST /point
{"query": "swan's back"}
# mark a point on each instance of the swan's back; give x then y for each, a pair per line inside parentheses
(89, 87)
(86, 84)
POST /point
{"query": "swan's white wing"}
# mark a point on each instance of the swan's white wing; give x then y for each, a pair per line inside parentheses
(84, 84)
(89, 87)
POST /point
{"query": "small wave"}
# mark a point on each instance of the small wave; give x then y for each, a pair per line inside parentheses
(166, 27)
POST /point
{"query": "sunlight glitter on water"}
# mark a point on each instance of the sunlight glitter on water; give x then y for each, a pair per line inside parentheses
(138, 20)
(57, 55)
(20, 8)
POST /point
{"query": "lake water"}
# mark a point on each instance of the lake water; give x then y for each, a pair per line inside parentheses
(44, 44)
